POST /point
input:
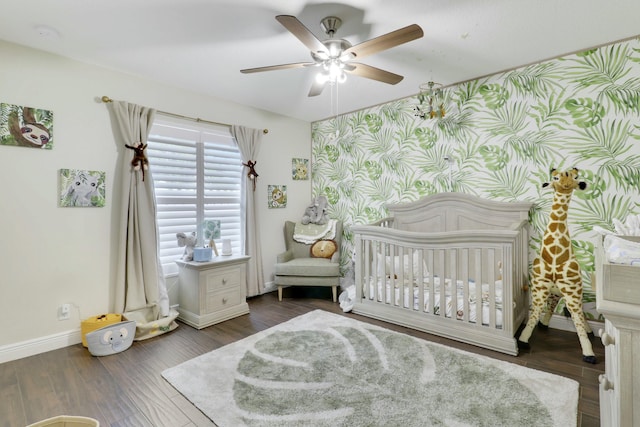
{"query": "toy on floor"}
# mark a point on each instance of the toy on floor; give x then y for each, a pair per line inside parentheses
(111, 339)
(555, 272)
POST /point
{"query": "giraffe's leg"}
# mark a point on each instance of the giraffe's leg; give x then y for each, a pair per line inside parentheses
(552, 303)
(573, 300)
(539, 294)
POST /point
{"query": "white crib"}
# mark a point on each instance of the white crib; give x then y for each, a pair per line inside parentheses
(450, 264)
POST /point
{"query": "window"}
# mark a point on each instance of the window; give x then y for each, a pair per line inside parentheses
(197, 172)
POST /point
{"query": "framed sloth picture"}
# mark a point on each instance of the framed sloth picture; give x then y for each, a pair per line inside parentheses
(26, 126)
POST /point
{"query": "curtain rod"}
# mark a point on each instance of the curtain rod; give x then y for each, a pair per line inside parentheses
(106, 99)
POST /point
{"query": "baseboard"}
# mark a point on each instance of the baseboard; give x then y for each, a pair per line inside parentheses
(39, 345)
(269, 287)
(566, 324)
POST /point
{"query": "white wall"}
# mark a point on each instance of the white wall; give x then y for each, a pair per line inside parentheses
(51, 255)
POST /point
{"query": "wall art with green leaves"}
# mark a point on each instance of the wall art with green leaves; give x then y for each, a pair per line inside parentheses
(499, 139)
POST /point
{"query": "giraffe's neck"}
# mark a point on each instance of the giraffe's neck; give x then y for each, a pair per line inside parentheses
(560, 207)
(556, 245)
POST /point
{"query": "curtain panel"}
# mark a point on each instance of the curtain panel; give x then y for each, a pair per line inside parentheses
(139, 279)
(248, 141)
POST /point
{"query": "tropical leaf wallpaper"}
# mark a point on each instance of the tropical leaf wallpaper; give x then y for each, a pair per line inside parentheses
(499, 138)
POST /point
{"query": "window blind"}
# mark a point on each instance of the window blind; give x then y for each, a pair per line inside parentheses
(197, 172)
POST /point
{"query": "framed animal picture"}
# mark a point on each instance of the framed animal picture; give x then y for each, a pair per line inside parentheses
(82, 188)
(26, 126)
(277, 196)
(300, 169)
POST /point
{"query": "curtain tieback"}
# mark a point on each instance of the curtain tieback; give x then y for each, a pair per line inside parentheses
(139, 161)
(252, 174)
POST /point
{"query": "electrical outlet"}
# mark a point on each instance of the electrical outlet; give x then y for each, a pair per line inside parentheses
(64, 311)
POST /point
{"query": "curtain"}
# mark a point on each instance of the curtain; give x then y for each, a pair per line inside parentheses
(248, 141)
(139, 279)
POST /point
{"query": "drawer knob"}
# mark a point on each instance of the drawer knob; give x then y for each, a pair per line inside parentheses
(224, 300)
(606, 338)
(224, 280)
(605, 383)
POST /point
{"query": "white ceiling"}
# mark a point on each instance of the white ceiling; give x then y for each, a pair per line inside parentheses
(200, 45)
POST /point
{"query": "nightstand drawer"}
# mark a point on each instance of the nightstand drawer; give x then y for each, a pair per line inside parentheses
(221, 300)
(221, 279)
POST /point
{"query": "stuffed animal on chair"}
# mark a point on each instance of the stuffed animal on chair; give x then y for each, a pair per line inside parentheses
(309, 214)
(188, 241)
(316, 212)
(322, 204)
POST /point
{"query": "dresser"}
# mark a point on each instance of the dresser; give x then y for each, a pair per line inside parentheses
(212, 292)
(618, 300)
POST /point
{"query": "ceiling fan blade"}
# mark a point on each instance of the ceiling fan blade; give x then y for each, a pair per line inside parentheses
(373, 73)
(316, 88)
(278, 67)
(386, 41)
(303, 34)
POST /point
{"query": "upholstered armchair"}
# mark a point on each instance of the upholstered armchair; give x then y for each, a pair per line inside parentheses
(296, 266)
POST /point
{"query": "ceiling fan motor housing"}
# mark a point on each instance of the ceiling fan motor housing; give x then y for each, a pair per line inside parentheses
(330, 25)
(335, 47)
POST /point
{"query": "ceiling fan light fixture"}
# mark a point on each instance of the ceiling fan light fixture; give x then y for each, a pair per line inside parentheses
(333, 71)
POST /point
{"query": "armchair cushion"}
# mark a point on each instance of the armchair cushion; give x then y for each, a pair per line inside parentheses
(319, 267)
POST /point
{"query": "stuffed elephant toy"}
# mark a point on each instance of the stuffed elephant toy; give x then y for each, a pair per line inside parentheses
(316, 212)
(188, 241)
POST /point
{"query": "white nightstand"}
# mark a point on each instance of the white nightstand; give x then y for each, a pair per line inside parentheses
(212, 292)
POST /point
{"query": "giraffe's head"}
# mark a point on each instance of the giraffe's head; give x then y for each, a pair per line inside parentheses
(565, 182)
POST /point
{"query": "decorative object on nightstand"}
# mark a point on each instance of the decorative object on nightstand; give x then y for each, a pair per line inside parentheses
(188, 242)
(212, 292)
(211, 231)
(226, 247)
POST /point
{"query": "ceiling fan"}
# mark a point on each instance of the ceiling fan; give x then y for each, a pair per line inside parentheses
(336, 56)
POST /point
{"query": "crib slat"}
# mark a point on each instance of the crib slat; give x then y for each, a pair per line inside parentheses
(478, 286)
(491, 282)
(464, 255)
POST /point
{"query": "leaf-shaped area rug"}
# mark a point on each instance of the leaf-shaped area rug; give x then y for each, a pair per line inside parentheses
(323, 369)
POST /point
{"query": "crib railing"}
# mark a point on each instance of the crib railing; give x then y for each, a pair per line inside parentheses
(454, 283)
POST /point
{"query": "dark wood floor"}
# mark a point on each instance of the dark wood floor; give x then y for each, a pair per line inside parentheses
(127, 390)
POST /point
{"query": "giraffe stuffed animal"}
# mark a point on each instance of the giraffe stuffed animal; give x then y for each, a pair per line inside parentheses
(555, 272)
